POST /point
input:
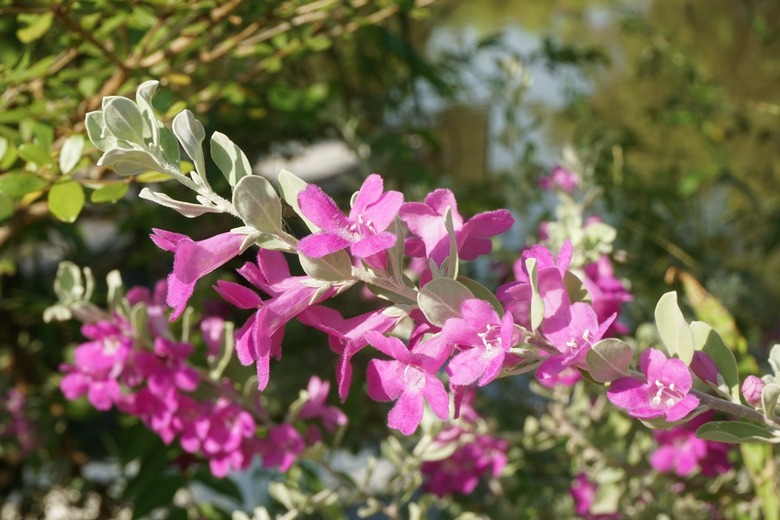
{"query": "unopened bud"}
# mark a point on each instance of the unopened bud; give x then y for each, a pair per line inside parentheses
(751, 390)
(704, 367)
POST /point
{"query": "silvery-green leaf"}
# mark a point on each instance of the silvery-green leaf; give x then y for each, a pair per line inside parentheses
(575, 288)
(229, 158)
(609, 359)
(170, 146)
(128, 162)
(769, 397)
(57, 312)
(190, 133)
(187, 209)
(289, 187)
(68, 285)
(123, 119)
(735, 432)
(143, 98)
(71, 152)
(441, 298)
(707, 340)
(452, 258)
(3, 147)
(257, 204)
(483, 293)
(774, 359)
(537, 303)
(115, 289)
(674, 331)
(335, 267)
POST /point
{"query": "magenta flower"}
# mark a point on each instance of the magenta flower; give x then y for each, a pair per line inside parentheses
(484, 340)
(98, 365)
(681, 452)
(664, 393)
(166, 367)
(572, 334)
(560, 178)
(260, 338)
(607, 293)
(476, 457)
(752, 387)
(316, 408)
(409, 379)
(583, 492)
(426, 221)
(282, 447)
(193, 260)
(363, 231)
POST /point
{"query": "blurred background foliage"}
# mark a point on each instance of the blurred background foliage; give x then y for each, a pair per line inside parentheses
(672, 106)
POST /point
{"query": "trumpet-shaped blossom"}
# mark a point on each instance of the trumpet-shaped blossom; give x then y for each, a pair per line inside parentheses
(315, 406)
(260, 338)
(363, 231)
(426, 220)
(484, 340)
(664, 393)
(409, 379)
(607, 293)
(193, 260)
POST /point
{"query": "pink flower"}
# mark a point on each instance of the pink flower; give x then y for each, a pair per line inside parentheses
(607, 293)
(476, 457)
(363, 231)
(282, 447)
(166, 367)
(410, 380)
(752, 387)
(260, 338)
(192, 261)
(583, 492)
(681, 452)
(315, 407)
(426, 221)
(664, 393)
(561, 179)
(484, 340)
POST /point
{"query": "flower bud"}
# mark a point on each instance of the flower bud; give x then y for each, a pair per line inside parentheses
(704, 367)
(751, 390)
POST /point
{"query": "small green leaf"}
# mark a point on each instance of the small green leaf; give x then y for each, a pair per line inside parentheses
(68, 284)
(289, 187)
(190, 133)
(709, 341)
(33, 153)
(143, 98)
(335, 267)
(170, 147)
(609, 359)
(71, 152)
(774, 359)
(229, 158)
(483, 293)
(109, 193)
(152, 176)
(675, 332)
(735, 432)
(97, 133)
(257, 204)
(6, 206)
(36, 26)
(441, 298)
(123, 119)
(769, 397)
(66, 198)
(537, 304)
(3, 147)
(128, 162)
(575, 288)
(16, 185)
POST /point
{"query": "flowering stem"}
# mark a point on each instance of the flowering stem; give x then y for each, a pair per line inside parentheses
(402, 290)
(730, 408)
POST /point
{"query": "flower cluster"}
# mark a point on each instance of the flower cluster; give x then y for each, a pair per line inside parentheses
(680, 451)
(148, 375)
(15, 424)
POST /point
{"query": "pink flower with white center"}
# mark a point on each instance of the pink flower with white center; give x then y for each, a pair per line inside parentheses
(193, 260)
(316, 408)
(426, 221)
(664, 393)
(260, 338)
(484, 340)
(572, 334)
(363, 231)
(409, 379)
(98, 365)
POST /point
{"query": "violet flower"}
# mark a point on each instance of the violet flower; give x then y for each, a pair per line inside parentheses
(664, 393)
(363, 231)
(409, 379)
(316, 408)
(560, 178)
(193, 260)
(426, 221)
(681, 452)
